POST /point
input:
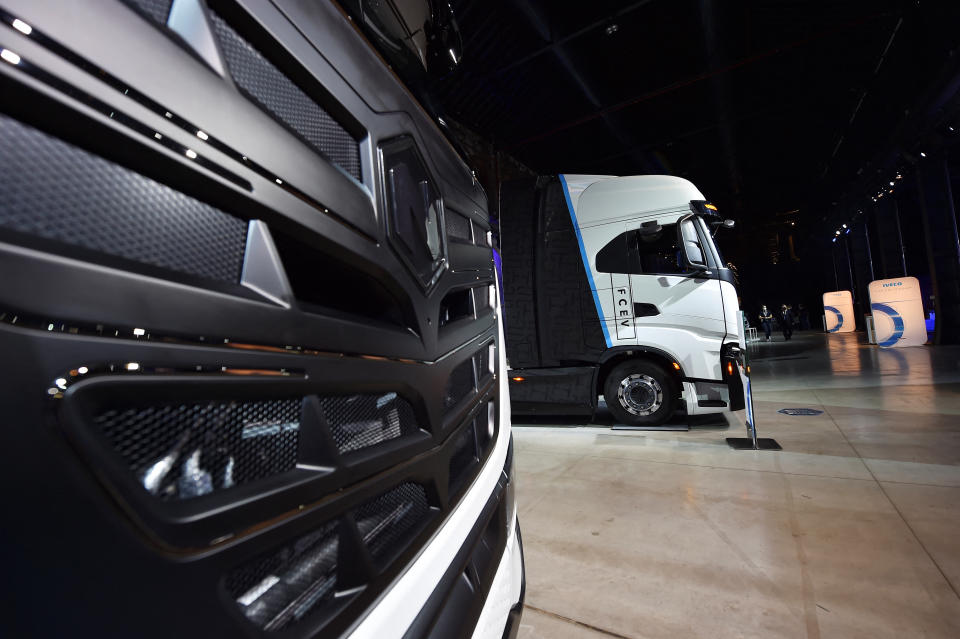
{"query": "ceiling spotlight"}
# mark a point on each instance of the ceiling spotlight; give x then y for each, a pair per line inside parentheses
(951, 128)
(899, 177)
(834, 239)
(844, 226)
(922, 154)
(891, 183)
(611, 29)
(837, 233)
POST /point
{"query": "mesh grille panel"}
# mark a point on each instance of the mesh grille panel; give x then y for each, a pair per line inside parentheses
(181, 451)
(277, 590)
(158, 10)
(56, 191)
(463, 459)
(361, 421)
(389, 522)
(458, 226)
(460, 384)
(277, 94)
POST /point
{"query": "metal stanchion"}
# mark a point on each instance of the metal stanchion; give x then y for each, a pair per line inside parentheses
(751, 442)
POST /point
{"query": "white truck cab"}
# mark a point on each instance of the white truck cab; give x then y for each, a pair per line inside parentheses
(656, 305)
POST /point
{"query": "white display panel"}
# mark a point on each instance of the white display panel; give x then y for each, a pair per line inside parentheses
(838, 312)
(897, 307)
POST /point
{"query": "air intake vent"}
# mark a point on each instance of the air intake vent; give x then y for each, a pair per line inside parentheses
(388, 523)
(182, 451)
(458, 226)
(361, 421)
(57, 191)
(277, 590)
(284, 100)
(460, 384)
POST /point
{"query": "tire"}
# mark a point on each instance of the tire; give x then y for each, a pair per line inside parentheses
(650, 397)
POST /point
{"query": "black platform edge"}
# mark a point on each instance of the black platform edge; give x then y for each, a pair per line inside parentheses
(745, 443)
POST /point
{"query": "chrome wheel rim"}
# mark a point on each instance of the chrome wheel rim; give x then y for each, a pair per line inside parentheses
(640, 394)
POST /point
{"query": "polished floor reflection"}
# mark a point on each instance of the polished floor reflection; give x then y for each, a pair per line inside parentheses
(853, 530)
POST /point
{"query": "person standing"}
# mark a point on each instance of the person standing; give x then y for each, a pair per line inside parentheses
(786, 322)
(766, 321)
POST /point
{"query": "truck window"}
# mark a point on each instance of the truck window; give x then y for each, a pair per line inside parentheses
(638, 254)
(661, 253)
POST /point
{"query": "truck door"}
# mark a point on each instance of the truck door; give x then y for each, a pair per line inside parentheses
(668, 301)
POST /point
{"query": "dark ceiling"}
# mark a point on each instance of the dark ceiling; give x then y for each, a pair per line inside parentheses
(766, 105)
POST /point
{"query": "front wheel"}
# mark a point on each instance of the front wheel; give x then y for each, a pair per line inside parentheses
(640, 393)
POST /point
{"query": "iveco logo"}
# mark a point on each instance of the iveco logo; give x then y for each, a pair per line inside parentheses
(893, 284)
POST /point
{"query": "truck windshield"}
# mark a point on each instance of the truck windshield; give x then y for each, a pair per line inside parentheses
(707, 233)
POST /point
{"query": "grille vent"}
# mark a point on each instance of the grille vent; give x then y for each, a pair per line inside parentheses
(455, 305)
(460, 384)
(277, 590)
(57, 191)
(362, 421)
(464, 458)
(388, 523)
(183, 451)
(284, 100)
(458, 226)
(483, 358)
(481, 299)
(156, 10)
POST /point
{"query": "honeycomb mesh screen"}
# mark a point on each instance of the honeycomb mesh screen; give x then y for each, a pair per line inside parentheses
(464, 457)
(361, 421)
(279, 96)
(157, 10)
(389, 522)
(57, 191)
(460, 384)
(182, 451)
(280, 588)
(458, 227)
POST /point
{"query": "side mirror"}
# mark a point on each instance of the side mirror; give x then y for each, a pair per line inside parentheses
(444, 42)
(649, 228)
(694, 255)
(729, 224)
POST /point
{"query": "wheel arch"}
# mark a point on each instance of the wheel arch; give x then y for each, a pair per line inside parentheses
(614, 357)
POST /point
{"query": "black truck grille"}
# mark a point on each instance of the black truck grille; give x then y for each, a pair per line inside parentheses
(283, 99)
(56, 191)
(259, 457)
(390, 521)
(361, 421)
(278, 589)
(182, 451)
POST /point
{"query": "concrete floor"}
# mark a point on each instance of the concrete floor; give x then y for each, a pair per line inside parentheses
(852, 531)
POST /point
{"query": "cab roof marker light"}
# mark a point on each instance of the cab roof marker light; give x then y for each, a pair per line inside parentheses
(711, 207)
(9, 56)
(22, 26)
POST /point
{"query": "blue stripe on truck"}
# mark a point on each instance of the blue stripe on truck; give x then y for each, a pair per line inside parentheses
(586, 263)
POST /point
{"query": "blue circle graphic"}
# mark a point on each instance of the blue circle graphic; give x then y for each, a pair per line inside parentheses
(897, 324)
